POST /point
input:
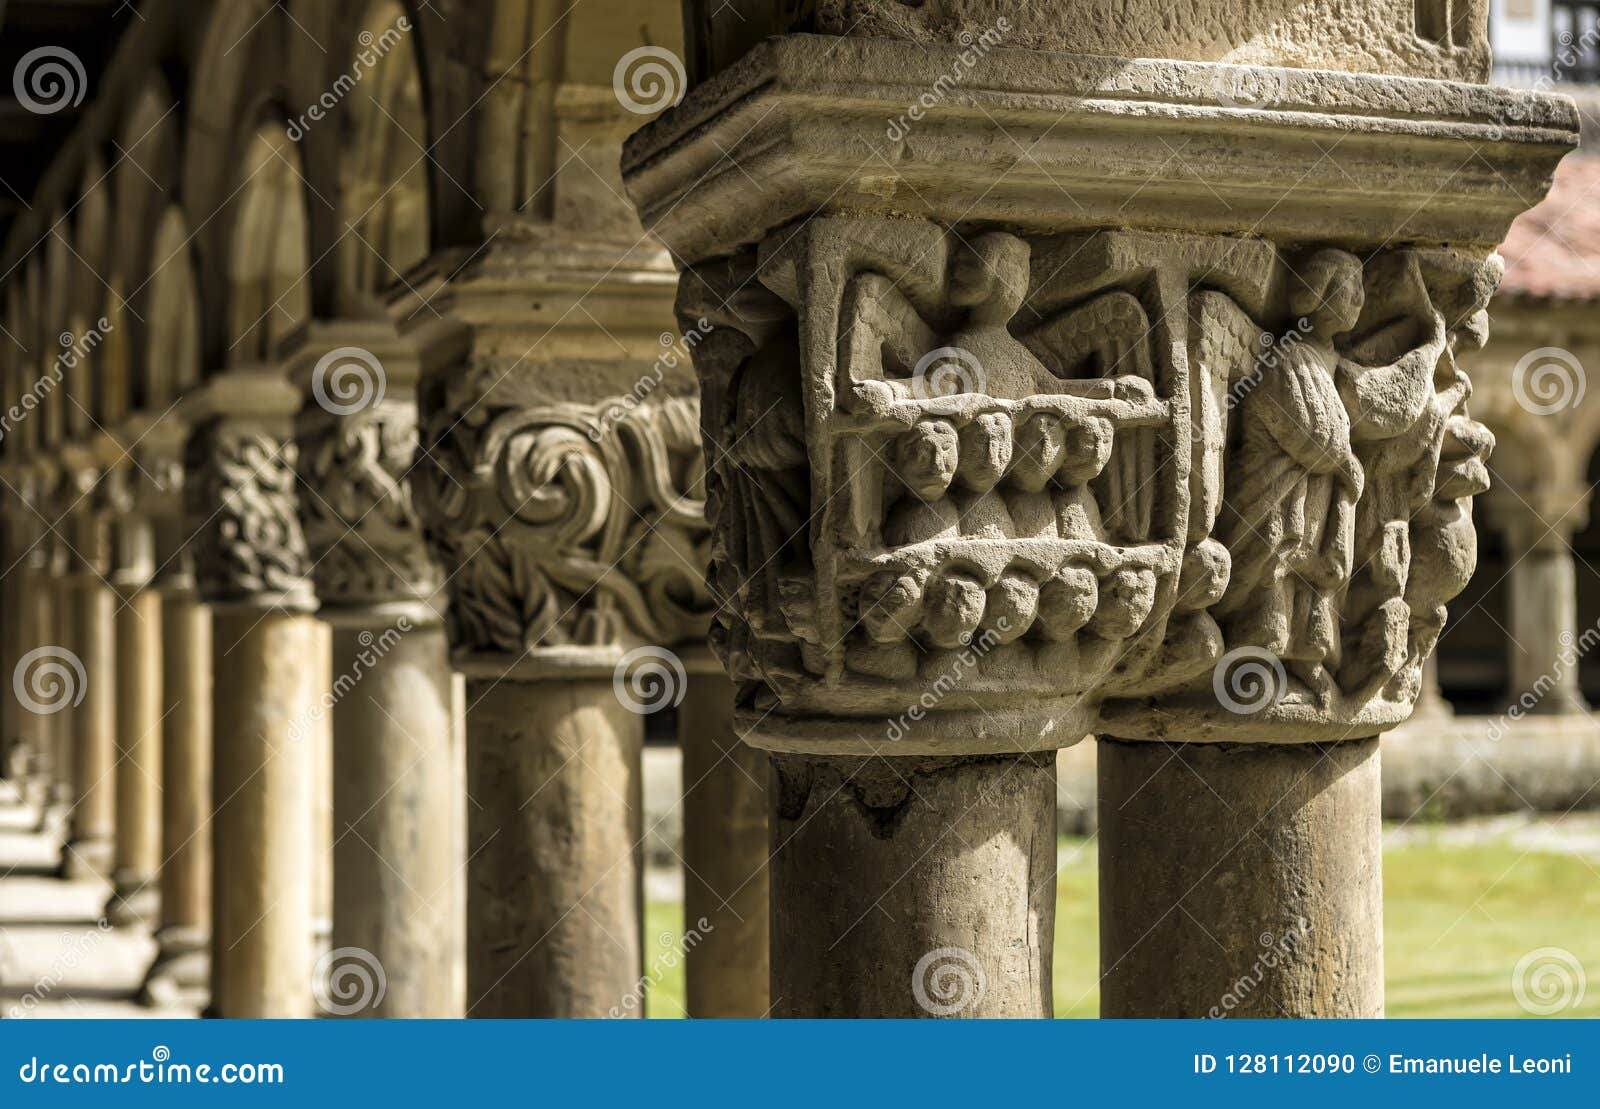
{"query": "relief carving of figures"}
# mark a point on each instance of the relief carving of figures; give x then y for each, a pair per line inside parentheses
(356, 505)
(1099, 462)
(558, 524)
(241, 489)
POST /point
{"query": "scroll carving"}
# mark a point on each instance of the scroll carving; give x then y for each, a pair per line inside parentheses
(559, 524)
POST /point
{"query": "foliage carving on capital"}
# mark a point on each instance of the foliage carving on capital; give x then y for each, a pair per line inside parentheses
(240, 491)
(1080, 472)
(356, 505)
(563, 524)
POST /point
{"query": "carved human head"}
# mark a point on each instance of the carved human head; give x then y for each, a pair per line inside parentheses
(1041, 445)
(1088, 448)
(1127, 597)
(1067, 601)
(955, 605)
(985, 446)
(891, 606)
(925, 458)
(991, 279)
(1327, 289)
(1013, 603)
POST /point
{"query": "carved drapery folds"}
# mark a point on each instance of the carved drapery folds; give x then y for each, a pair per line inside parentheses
(563, 524)
(240, 491)
(356, 505)
(1068, 481)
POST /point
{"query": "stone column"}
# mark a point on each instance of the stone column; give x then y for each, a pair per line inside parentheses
(30, 603)
(398, 764)
(726, 893)
(253, 570)
(136, 894)
(182, 968)
(89, 849)
(975, 493)
(1543, 653)
(572, 536)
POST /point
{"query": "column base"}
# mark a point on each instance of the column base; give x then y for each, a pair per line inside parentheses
(181, 974)
(135, 901)
(86, 859)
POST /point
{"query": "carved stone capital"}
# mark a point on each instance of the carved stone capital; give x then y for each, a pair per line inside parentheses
(356, 505)
(564, 525)
(240, 493)
(982, 491)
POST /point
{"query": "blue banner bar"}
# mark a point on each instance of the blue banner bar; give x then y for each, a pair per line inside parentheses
(783, 1064)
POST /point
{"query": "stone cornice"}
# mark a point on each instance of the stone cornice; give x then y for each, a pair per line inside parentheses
(800, 126)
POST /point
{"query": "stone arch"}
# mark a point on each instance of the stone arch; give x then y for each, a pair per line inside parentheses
(172, 354)
(69, 402)
(240, 67)
(269, 294)
(383, 185)
(147, 174)
(95, 297)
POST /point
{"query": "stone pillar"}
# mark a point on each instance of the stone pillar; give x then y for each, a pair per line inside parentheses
(1543, 652)
(572, 538)
(726, 893)
(975, 493)
(136, 894)
(182, 969)
(253, 570)
(89, 849)
(1240, 881)
(30, 605)
(398, 764)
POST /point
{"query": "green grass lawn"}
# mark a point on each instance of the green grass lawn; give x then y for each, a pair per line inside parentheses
(1456, 921)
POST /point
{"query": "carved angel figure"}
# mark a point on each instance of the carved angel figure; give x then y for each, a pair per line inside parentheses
(1289, 519)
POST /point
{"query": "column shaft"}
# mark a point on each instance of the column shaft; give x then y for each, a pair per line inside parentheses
(912, 888)
(1544, 617)
(554, 882)
(183, 966)
(262, 867)
(398, 778)
(94, 732)
(137, 897)
(1240, 881)
(725, 857)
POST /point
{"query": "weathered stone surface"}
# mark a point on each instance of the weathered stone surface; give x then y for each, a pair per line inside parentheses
(1241, 881)
(946, 906)
(1414, 38)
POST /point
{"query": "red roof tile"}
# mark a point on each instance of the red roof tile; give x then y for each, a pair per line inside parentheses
(1553, 250)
